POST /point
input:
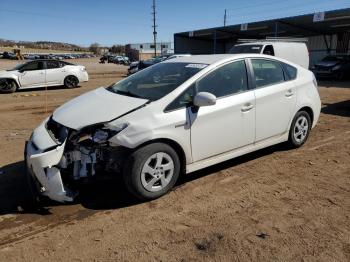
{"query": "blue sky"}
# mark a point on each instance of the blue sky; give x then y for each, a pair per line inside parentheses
(111, 22)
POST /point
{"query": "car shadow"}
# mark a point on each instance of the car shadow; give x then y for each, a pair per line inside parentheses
(339, 109)
(99, 194)
(327, 82)
(49, 88)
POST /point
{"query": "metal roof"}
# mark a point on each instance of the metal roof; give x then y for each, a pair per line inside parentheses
(200, 59)
(335, 21)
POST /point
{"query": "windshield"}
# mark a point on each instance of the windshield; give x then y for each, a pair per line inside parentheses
(156, 81)
(17, 67)
(246, 49)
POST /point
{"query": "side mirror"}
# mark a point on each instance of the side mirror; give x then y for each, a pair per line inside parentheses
(204, 99)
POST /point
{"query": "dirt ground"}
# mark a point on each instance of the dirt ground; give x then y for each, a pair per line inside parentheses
(271, 205)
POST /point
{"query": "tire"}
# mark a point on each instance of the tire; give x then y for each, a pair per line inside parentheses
(8, 86)
(71, 82)
(300, 129)
(339, 76)
(147, 172)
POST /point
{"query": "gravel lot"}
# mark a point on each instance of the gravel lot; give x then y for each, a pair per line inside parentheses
(271, 205)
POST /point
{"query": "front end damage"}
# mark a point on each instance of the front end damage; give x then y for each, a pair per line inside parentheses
(57, 157)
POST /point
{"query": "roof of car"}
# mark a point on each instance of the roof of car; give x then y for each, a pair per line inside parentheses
(202, 59)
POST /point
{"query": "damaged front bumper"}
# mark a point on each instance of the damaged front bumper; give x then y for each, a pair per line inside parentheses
(42, 156)
(56, 157)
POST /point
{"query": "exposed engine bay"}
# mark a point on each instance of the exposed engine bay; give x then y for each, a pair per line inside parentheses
(85, 153)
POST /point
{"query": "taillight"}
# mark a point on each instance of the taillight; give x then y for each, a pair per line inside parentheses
(314, 80)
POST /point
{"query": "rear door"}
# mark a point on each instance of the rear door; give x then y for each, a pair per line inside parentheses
(32, 74)
(54, 72)
(275, 98)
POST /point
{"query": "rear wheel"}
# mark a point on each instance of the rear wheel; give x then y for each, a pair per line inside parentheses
(339, 76)
(300, 129)
(71, 82)
(7, 86)
(152, 171)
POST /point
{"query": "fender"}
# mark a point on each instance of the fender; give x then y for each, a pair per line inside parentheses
(11, 76)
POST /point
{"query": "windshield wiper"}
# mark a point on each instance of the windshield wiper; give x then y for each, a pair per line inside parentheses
(128, 93)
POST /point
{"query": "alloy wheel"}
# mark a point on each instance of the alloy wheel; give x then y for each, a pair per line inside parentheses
(6, 85)
(157, 172)
(301, 129)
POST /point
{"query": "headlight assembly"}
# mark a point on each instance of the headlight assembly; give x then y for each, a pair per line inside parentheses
(117, 127)
(337, 67)
(101, 134)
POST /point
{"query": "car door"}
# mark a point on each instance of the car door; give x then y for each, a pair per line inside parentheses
(230, 123)
(275, 98)
(32, 74)
(54, 72)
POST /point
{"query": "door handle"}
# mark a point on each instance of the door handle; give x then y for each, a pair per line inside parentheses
(41, 73)
(247, 107)
(289, 93)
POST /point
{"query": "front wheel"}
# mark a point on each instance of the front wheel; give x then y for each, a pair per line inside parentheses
(151, 171)
(7, 86)
(71, 82)
(339, 76)
(300, 129)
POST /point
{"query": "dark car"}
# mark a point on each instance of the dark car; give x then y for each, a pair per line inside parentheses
(335, 66)
(137, 66)
(8, 55)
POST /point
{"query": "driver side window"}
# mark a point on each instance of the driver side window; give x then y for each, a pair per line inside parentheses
(33, 66)
(226, 80)
(182, 100)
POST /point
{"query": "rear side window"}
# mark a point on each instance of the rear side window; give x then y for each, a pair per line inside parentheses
(291, 71)
(226, 80)
(267, 72)
(268, 50)
(52, 64)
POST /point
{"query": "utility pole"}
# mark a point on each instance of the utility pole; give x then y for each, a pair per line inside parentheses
(154, 27)
(225, 16)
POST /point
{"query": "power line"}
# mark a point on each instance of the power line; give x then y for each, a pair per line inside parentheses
(274, 12)
(311, 3)
(256, 5)
(268, 4)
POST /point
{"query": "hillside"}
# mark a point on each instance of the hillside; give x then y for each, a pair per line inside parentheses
(44, 45)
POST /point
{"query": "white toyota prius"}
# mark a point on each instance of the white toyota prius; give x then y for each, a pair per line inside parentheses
(172, 118)
(40, 73)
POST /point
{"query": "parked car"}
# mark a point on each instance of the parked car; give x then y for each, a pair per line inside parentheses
(172, 118)
(9, 55)
(295, 52)
(121, 60)
(177, 55)
(41, 73)
(139, 65)
(335, 66)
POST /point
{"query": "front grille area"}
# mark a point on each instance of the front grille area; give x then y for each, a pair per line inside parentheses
(323, 68)
(57, 131)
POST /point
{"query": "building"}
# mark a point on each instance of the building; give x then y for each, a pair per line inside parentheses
(144, 51)
(327, 33)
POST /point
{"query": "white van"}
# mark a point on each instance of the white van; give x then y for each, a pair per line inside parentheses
(295, 52)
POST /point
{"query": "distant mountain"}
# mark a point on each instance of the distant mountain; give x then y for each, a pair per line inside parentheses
(42, 45)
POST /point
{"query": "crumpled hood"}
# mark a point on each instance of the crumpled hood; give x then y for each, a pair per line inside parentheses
(327, 63)
(99, 105)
